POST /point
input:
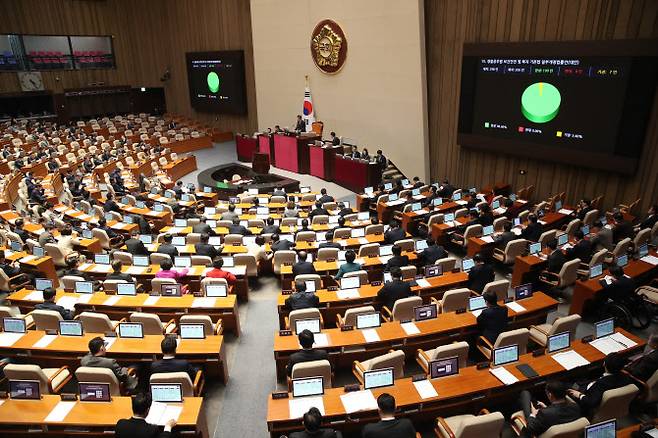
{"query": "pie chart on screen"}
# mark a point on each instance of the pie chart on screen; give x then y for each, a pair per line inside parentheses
(213, 82)
(540, 102)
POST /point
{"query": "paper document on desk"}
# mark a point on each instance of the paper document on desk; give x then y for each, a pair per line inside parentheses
(410, 328)
(606, 345)
(515, 306)
(68, 302)
(347, 294)
(84, 266)
(9, 339)
(370, 335)
(623, 340)
(84, 298)
(297, 407)
(359, 401)
(565, 211)
(163, 413)
(421, 282)
(320, 340)
(151, 301)
(363, 241)
(425, 389)
(570, 360)
(28, 259)
(204, 302)
(135, 270)
(420, 212)
(109, 342)
(499, 210)
(111, 301)
(542, 222)
(488, 239)
(60, 411)
(44, 341)
(461, 202)
(36, 295)
(102, 269)
(652, 260)
(476, 313)
(503, 375)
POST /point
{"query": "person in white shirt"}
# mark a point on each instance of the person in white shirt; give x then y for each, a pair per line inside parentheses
(257, 249)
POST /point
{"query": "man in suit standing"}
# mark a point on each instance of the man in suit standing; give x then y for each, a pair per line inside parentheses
(432, 253)
(169, 363)
(136, 426)
(96, 358)
(646, 365)
(556, 258)
(533, 231)
(393, 290)
(49, 304)
(324, 197)
(388, 426)
(539, 417)
(307, 353)
(300, 125)
(493, 319)
(481, 274)
(206, 249)
(302, 266)
(381, 160)
(203, 227)
(398, 260)
(302, 299)
(394, 233)
(335, 141)
(135, 246)
(312, 421)
(167, 247)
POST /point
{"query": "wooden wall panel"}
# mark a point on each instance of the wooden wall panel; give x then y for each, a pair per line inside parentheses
(149, 37)
(449, 24)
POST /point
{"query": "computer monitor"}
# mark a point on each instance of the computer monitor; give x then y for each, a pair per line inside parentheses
(170, 290)
(363, 216)
(433, 270)
(488, 230)
(388, 186)
(263, 200)
(207, 190)
(158, 208)
(155, 190)
(368, 320)
(139, 260)
(38, 251)
(534, 248)
(456, 196)
(94, 392)
(350, 282)
(24, 390)
(87, 234)
(126, 289)
(605, 429)
(215, 240)
(228, 262)
(262, 211)
(428, 311)
(310, 285)
(437, 201)
(178, 241)
(109, 217)
(386, 250)
(102, 259)
(180, 223)
(393, 197)
(212, 224)
(42, 283)
(558, 205)
(405, 182)
(209, 211)
(416, 206)
(216, 290)
(504, 355)
(312, 324)
(14, 325)
(596, 270)
(131, 330)
(512, 197)
(182, 262)
(368, 190)
(476, 303)
(125, 200)
(495, 204)
(358, 232)
(140, 204)
(523, 291)
(585, 229)
(421, 245)
(622, 260)
(378, 378)
(307, 386)
(562, 239)
(185, 197)
(643, 250)
(167, 392)
(146, 239)
(467, 264)
(558, 342)
(604, 328)
(192, 331)
(70, 328)
(304, 189)
(449, 217)
(128, 219)
(84, 287)
(516, 221)
(444, 367)
(168, 194)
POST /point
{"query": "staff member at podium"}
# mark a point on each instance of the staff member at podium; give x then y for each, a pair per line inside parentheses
(335, 141)
(300, 126)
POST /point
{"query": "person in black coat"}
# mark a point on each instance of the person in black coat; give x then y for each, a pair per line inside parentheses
(493, 319)
(540, 417)
(312, 421)
(324, 197)
(393, 290)
(203, 227)
(621, 288)
(584, 208)
(388, 426)
(169, 363)
(622, 229)
(116, 273)
(318, 210)
(582, 249)
(49, 304)
(398, 260)
(650, 220)
(335, 141)
(533, 231)
(137, 427)
(110, 204)
(307, 353)
(236, 228)
(505, 237)
(300, 125)
(167, 247)
(280, 245)
(302, 299)
(381, 160)
(481, 274)
(18, 229)
(302, 266)
(204, 248)
(556, 258)
(645, 366)
(271, 227)
(446, 189)
(394, 233)
(432, 253)
(135, 246)
(329, 237)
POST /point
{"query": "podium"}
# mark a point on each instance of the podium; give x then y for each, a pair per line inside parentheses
(321, 161)
(245, 146)
(355, 174)
(261, 163)
(292, 152)
(266, 145)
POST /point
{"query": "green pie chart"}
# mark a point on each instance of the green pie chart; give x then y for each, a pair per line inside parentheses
(540, 102)
(213, 82)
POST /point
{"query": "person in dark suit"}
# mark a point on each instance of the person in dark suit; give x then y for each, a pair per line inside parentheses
(329, 237)
(645, 366)
(280, 245)
(203, 227)
(116, 273)
(540, 417)
(533, 231)
(556, 258)
(394, 233)
(206, 249)
(381, 160)
(307, 353)
(589, 396)
(324, 197)
(335, 141)
(493, 319)
(49, 304)
(432, 253)
(102, 224)
(169, 363)
(388, 426)
(481, 274)
(486, 216)
(398, 260)
(18, 229)
(318, 210)
(417, 183)
(137, 427)
(584, 208)
(271, 227)
(312, 421)
(167, 247)
(229, 215)
(96, 358)
(355, 152)
(301, 299)
(300, 125)
(393, 290)
(178, 189)
(446, 189)
(110, 204)
(650, 220)
(621, 288)
(582, 249)
(302, 266)
(505, 237)
(345, 210)
(236, 228)
(622, 229)
(135, 246)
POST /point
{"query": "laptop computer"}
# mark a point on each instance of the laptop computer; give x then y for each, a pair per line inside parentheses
(131, 330)
(605, 429)
(170, 290)
(523, 291)
(350, 282)
(604, 328)
(216, 290)
(14, 325)
(141, 261)
(422, 313)
(24, 390)
(42, 283)
(84, 287)
(311, 324)
(126, 289)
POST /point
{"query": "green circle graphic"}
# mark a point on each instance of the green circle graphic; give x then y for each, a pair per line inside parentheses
(540, 102)
(213, 82)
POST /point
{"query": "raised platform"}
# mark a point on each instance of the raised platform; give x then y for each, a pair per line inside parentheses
(215, 177)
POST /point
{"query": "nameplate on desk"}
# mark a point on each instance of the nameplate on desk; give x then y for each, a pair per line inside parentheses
(279, 395)
(587, 339)
(332, 288)
(346, 328)
(538, 352)
(286, 292)
(482, 365)
(460, 311)
(418, 377)
(68, 397)
(285, 332)
(352, 387)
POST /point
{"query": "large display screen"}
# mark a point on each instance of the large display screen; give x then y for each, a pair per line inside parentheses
(570, 104)
(216, 81)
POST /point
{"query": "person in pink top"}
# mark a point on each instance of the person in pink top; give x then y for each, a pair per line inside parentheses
(166, 272)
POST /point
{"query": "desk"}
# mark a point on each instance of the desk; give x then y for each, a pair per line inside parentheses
(291, 152)
(322, 161)
(266, 146)
(356, 174)
(190, 144)
(44, 265)
(177, 169)
(27, 417)
(245, 147)
(345, 347)
(469, 391)
(68, 350)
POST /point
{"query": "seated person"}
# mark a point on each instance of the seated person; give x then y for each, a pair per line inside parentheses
(271, 227)
(622, 228)
(582, 249)
(556, 258)
(307, 353)
(533, 230)
(398, 260)
(345, 210)
(257, 249)
(280, 245)
(203, 228)
(458, 235)
(539, 417)
(644, 366)
(432, 253)
(312, 421)
(394, 233)
(166, 247)
(329, 237)
(291, 210)
(302, 266)
(505, 237)
(110, 204)
(218, 272)
(480, 274)
(203, 248)
(135, 246)
(136, 426)
(169, 363)
(493, 319)
(304, 226)
(393, 290)
(96, 358)
(318, 210)
(301, 299)
(650, 220)
(417, 183)
(388, 426)
(10, 268)
(166, 271)
(116, 273)
(349, 266)
(72, 269)
(486, 216)
(584, 207)
(236, 228)
(18, 229)
(621, 289)
(229, 215)
(47, 236)
(49, 304)
(324, 197)
(102, 224)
